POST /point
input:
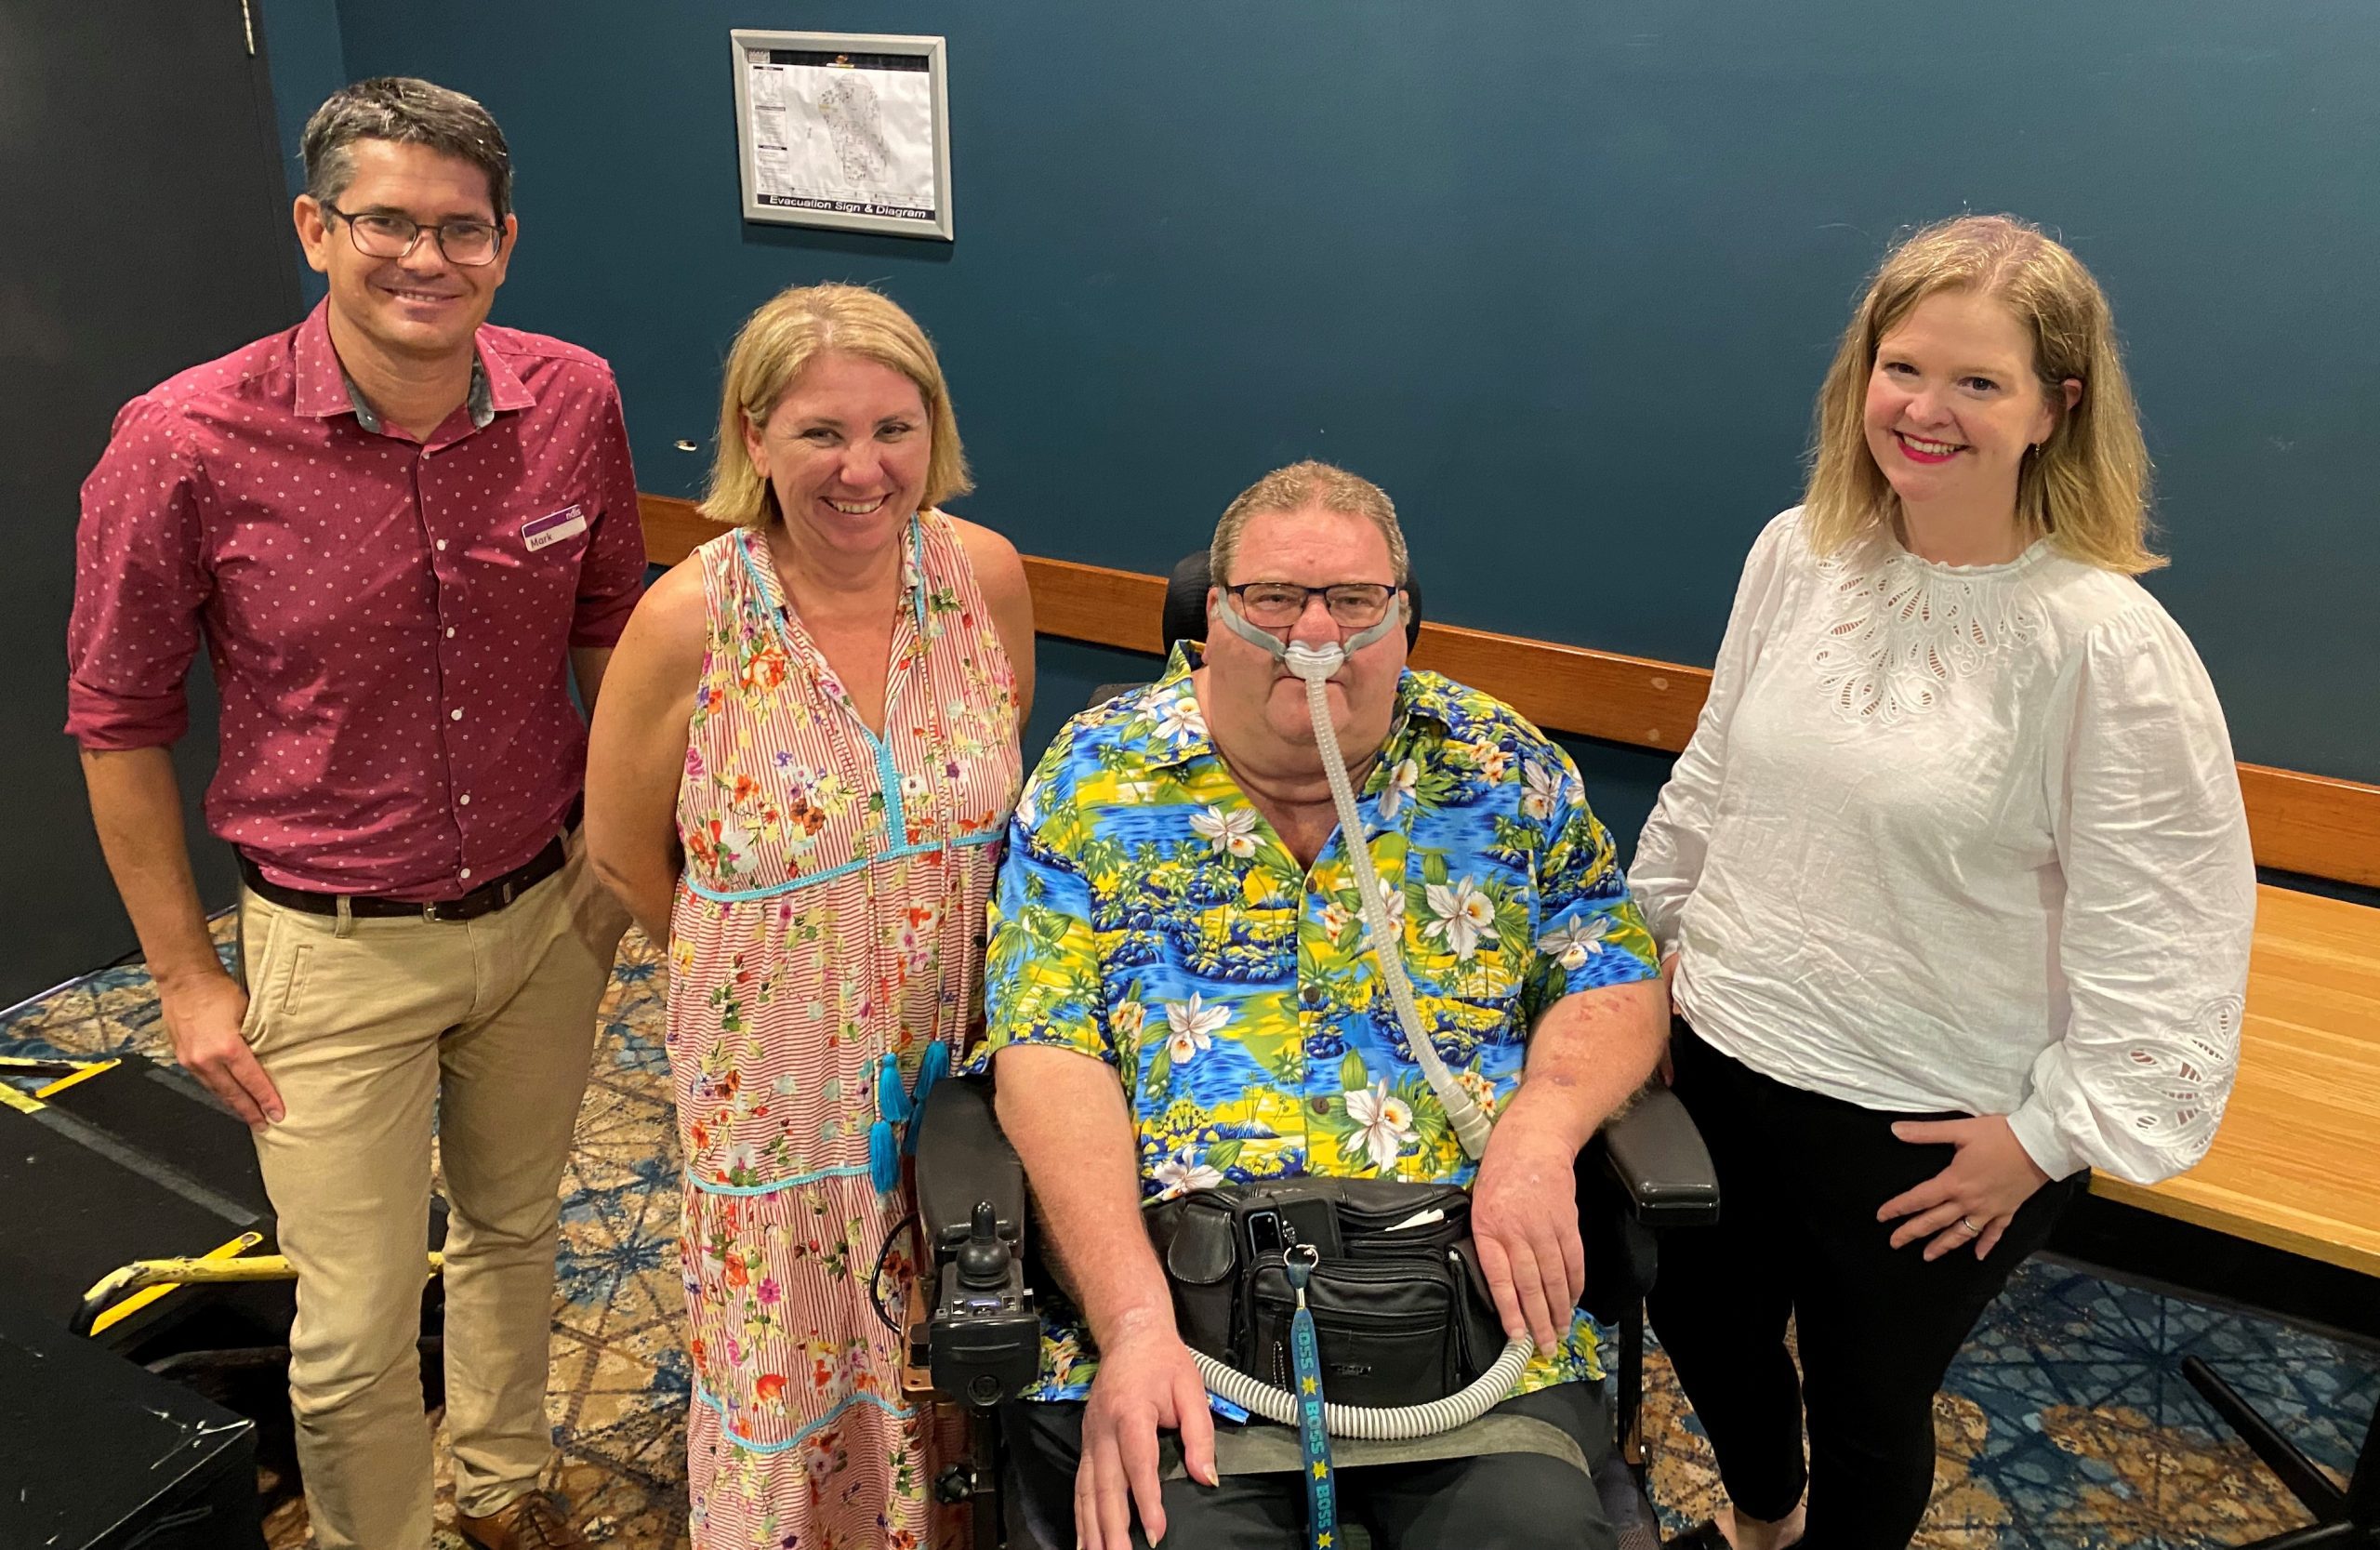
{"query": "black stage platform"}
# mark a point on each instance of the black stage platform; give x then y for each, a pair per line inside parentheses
(98, 1454)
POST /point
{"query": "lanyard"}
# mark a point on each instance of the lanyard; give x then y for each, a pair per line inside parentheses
(1313, 1439)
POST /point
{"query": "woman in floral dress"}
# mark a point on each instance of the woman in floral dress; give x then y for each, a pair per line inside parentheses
(802, 761)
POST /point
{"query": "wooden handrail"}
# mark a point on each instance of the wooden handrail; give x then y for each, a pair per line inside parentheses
(2299, 822)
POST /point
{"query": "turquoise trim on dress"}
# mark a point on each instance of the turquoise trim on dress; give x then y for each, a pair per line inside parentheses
(899, 1412)
(843, 1171)
(898, 852)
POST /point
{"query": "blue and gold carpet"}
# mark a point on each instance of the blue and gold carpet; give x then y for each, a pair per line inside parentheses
(2066, 1424)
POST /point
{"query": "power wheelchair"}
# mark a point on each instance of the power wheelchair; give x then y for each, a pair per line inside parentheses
(974, 1334)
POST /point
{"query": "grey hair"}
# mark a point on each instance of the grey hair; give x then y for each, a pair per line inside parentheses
(1295, 488)
(409, 112)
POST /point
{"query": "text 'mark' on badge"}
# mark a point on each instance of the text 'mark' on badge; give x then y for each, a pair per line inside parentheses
(540, 531)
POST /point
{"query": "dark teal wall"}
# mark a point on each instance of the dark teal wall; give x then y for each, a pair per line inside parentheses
(309, 61)
(1562, 276)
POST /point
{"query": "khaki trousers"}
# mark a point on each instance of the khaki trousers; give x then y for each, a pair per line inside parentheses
(370, 1028)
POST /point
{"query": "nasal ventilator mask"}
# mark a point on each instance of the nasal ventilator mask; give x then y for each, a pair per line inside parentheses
(1314, 666)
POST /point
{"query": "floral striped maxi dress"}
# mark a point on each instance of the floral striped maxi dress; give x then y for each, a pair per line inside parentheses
(831, 915)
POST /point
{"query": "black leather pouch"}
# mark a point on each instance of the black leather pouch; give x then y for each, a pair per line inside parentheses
(1400, 1310)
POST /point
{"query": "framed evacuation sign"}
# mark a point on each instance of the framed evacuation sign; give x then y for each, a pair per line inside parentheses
(844, 129)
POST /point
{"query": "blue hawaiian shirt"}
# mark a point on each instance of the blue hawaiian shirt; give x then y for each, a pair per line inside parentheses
(1148, 916)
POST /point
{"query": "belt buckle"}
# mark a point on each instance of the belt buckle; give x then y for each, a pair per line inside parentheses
(430, 911)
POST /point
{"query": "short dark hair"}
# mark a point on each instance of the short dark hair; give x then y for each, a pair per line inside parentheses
(411, 112)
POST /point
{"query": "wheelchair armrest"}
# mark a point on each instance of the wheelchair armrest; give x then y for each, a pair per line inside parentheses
(1657, 1156)
(964, 1160)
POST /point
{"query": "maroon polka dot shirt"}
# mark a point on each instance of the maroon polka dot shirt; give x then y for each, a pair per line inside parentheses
(390, 621)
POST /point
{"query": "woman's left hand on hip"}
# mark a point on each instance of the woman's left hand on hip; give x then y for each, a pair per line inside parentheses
(1973, 1201)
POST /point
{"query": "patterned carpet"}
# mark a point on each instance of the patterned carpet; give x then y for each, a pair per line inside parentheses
(2065, 1425)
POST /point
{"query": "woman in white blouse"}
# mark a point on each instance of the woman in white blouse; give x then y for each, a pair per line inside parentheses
(1953, 881)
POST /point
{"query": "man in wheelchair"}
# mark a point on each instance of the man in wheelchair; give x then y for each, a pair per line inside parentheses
(1192, 1043)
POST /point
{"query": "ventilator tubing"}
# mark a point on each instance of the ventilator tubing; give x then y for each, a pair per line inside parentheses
(1313, 664)
(1374, 1422)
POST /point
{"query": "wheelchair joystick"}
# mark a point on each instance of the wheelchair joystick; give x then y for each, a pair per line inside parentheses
(985, 1340)
(982, 1259)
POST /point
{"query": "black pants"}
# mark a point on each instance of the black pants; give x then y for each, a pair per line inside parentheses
(1497, 1502)
(1801, 1177)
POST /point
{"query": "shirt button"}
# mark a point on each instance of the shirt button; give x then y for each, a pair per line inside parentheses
(466, 871)
(465, 801)
(450, 631)
(454, 715)
(1310, 994)
(442, 546)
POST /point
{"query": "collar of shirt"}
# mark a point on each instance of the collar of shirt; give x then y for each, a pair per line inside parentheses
(1182, 735)
(325, 389)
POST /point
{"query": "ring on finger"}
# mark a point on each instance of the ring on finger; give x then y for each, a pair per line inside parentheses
(1970, 1227)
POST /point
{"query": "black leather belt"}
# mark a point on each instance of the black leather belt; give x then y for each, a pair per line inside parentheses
(486, 899)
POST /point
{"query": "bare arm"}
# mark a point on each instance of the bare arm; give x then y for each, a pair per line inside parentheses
(1001, 576)
(1589, 1051)
(136, 804)
(636, 752)
(1065, 1113)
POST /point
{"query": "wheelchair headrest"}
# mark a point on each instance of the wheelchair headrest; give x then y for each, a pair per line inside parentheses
(1185, 602)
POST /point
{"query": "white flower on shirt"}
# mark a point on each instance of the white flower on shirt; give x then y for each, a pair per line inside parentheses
(1402, 778)
(1233, 832)
(1463, 912)
(1180, 720)
(1194, 1026)
(1180, 1175)
(1544, 788)
(1573, 942)
(1383, 1124)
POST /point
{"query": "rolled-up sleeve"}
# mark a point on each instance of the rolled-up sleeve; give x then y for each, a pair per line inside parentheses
(1042, 983)
(2158, 914)
(140, 581)
(610, 577)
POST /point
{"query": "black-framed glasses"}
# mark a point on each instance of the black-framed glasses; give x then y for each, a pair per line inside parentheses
(468, 243)
(1353, 604)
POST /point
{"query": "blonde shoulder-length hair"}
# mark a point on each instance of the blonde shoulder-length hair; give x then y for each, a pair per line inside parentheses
(2086, 487)
(784, 335)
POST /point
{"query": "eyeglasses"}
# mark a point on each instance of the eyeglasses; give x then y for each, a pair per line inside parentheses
(1353, 604)
(468, 243)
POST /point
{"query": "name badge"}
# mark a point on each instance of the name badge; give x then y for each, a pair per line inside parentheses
(541, 531)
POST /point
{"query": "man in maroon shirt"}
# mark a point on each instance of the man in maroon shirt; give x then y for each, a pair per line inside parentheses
(401, 533)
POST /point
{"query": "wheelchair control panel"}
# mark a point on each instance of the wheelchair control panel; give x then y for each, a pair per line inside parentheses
(982, 1341)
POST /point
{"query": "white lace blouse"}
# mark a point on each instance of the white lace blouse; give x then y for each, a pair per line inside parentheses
(1964, 838)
